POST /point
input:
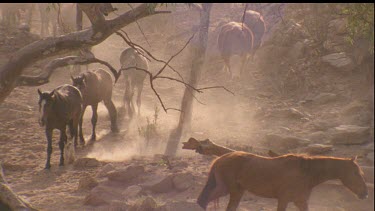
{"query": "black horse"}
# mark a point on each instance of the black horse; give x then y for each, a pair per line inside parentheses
(96, 86)
(59, 108)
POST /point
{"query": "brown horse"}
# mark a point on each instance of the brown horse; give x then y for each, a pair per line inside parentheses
(235, 39)
(288, 178)
(254, 20)
(60, 108)
(96, 86)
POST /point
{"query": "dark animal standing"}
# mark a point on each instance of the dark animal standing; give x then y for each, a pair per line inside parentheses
(236, 39)
(59, 108)
(288, 178)
(133, 78)
(96, 86)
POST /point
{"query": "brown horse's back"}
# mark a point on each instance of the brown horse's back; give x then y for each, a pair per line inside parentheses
(256, 24)
(98, 86)
(235, 39)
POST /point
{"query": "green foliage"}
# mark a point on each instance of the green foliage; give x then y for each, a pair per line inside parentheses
(360, 22)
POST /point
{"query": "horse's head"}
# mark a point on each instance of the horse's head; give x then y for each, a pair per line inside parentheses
(79, 82)
(352, 178)
(46, 100)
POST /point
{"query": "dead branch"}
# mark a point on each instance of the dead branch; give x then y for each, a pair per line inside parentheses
(173, 56)
(243, 16)
(52, 46)
(139, 27)
(9, 198)
(62, 62)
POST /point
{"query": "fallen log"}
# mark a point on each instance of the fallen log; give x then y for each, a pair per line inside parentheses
(9, 200)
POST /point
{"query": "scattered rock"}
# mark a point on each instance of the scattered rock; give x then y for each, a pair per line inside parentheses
(118, 206)
(94, 200)
(350, 134)
(297, 51)
(103, 171)
(338, 26)
(86, 162)
(279, 142)
(339, 60)
(162, 185)
(183, 206)
(318, 137)
(126, 174)
(316, 149)
(101, 195)
(324, 98)
(183, 181)
(87, 183)
(132, 191)
(148, 204)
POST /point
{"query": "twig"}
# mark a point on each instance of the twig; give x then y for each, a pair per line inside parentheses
(186, 44)
(243, 16)
(139, 27)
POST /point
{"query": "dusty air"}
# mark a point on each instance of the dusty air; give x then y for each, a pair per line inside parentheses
(187, 106)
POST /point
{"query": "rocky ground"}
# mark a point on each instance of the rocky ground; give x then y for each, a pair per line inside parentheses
(126, 172)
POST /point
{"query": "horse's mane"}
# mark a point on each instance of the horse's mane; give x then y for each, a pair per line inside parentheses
(309, 164)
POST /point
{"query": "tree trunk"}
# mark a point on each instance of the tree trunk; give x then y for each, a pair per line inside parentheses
(199, 51)
(79, 27)
(50, 46)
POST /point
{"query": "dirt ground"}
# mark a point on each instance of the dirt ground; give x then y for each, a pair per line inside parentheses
(223, 118)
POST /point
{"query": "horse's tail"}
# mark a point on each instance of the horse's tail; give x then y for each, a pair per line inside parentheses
(203, 198)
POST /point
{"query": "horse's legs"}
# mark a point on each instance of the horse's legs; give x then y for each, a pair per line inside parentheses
(63, 141)
(227, 64)
(302, 205)
(94, 119)
(49, 147)
(71, 129)
(282, 204)
(234, 200)
(80, 126)
(244, 58)
(112, 114)
(139, 89)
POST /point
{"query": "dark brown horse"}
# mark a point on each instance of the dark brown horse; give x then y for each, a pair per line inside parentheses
(235, 39)
(288, 178)
(60, 108)
(96, 86)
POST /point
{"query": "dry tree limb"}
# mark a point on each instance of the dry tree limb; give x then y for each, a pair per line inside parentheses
(139, 27)
(43, 78)
(9, 198)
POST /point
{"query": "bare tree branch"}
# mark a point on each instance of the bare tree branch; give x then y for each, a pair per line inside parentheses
(139, 27)
(61, 62)
(51, 46)
(243, 16)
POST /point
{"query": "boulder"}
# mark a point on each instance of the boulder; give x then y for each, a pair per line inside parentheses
(324, 98)
(350, 134)
(163, 185)
(183, 181)
(184, 206)
(127, 174)
(284, 143)
(87, 183)
(339, 60)
(105, 169)
(86, 162)
(132, 191)
(316, 149)
(101, 195)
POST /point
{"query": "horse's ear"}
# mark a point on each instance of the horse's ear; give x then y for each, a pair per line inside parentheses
(51, 93)
(72, 78)
(39, 92)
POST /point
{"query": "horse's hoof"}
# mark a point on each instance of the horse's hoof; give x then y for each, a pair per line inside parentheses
(47, 167)
(115, 130)
(61, 164)
(93, 138)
